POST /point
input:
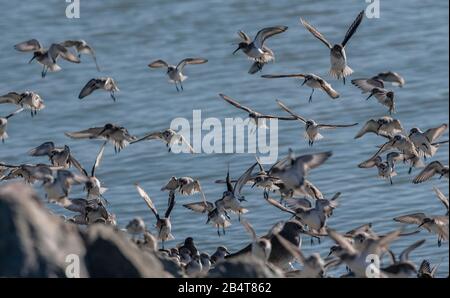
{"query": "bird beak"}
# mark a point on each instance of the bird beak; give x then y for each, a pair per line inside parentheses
(253, 184)
(235, 51)
(369, 96)
(304, 82)
(421, 225)
(207, 221)
(31, 60)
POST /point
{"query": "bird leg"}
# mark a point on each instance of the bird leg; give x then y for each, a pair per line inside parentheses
(310, 96)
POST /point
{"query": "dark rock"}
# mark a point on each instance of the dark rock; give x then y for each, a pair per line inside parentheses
(33, 242)
(244, 267)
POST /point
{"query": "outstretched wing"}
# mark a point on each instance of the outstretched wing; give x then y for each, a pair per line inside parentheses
(235, 103)
(433, 134)
(28, 46)
(43, 149)
(147, 200)
(297, 75)
(284, 107)
(57, 50)
(428, 172)
(316, 33)
(158, 64)
(367, 85)
(353, 28)
(265, 33)
(98, 159)
(186, 61)
(90, 87)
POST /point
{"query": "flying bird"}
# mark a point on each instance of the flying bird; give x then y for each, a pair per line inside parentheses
(311, 80)
(175, 73)
(339, 68)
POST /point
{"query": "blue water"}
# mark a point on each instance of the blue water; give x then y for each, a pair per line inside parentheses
(411, 38)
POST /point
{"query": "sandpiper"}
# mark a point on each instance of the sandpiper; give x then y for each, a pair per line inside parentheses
(175, 73)
(105, 83)
(385, 97)
(136, 227)
(219, 255)
(313, 218)
(261, 247)
(4, 124)
(168, 136)
(434, 224)
(424, 140)
(184, 185)
(311, 127)
(313, 266)
(59, 187)
(311, 80)
(293, 174)
(82, 47)
(29, 173)
(117, 135)
(256, 50)
(28, 99)
(205, 260)
(58, 156)
(425, 270)
(385, 126)
(339, 68)
(386, 169)
(232, 197)
(403, 267)
(216, 213)
(190, 246)
(430, 170)
(93, 186)
(163, 224)
(46, 57)
(356, 260)
(258, 119)
(194, 267)
(367, 85)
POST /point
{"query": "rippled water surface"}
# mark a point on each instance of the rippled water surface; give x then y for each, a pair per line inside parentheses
(411, 37)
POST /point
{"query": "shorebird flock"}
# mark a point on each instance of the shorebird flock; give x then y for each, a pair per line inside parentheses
(284, 185)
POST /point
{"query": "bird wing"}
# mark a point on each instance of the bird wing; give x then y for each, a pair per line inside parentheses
(353, 28)
(332, 126)
(90, 87)
(200, 207)
(367, 85)
(171, 204)
(341, 241)
(43, 149)
(316, 33)
(370, 126)
(297, 75)
(441, 196)
(404, 255)
(98, 159)
(361, 229)
(278, 205)
(433, 134)
(415, 218)
(28, 46)
(284, 107)
(11, 97)
(328, 89)
(57, 50)
(147, 200)
(370, 163)
(86, 134)
(77, 165)
(428, 172)
(182, 139)
(244, 37)
(311, 161)
(292, 249)
(149, 136)
(158, 64)
(186, 61)
(71, 43)
(243, 180)
(235, 103)
(249, 228)
(265, 33)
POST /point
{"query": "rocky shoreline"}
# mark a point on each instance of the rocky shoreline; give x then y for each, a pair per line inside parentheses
(36, 243)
